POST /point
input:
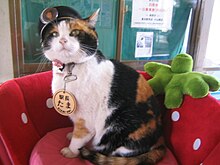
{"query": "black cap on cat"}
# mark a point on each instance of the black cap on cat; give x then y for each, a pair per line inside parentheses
(53, 15)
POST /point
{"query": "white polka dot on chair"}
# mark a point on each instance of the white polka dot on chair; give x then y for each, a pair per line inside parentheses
(175, 116)
(197, 144)
(49, 103)
(24, 118)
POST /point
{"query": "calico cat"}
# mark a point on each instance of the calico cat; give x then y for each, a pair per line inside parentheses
(117, 120)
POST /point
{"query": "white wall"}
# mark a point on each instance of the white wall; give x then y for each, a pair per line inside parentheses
(202, 36)
(212, 52)
(6, 64)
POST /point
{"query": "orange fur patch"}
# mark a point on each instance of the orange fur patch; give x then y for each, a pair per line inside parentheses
(158, 150)
(160, 142)
(143, 130)
(150, 112)
(104, 160)
(144, 91)
(82, 25)
(80, 129)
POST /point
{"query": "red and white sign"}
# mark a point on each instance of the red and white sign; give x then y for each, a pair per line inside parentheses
(152, 14)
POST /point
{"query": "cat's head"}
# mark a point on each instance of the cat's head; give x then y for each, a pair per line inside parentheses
(66, 37)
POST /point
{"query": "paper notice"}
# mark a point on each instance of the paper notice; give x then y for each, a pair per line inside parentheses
(154, 14)
(144, 44)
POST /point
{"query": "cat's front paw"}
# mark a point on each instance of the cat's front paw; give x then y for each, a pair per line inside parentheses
(66, 152)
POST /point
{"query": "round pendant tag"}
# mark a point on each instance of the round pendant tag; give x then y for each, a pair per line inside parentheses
(64, 102)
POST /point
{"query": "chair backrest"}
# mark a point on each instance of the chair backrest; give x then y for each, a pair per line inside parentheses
(27, 114)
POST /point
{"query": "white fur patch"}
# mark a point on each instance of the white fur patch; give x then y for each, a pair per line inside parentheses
(92, 92)
(122, 151)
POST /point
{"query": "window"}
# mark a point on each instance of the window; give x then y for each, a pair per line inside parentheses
(118, 37)
(212, 58)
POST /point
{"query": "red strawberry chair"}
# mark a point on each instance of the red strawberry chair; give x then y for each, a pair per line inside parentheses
(32, 132)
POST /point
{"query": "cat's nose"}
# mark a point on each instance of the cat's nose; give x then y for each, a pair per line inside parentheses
(63, 41)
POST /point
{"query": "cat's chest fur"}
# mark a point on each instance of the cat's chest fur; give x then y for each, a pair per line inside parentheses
(91, 88)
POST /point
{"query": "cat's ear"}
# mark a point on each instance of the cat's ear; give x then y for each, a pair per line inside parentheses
(93, 18)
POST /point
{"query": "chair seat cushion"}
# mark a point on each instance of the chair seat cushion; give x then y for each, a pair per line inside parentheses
(47, 151)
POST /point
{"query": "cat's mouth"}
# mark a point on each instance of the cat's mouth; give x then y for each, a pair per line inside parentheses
(64, 50)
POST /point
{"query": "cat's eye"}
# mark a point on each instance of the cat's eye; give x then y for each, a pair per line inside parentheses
(55, 34)
(74, 33)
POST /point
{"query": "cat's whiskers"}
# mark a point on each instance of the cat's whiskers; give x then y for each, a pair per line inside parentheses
(39, 56)
(44, 62)
(85, 51)
(46, 48)
(88, 50)
(87, 47)
(80, 52)
(40, 53)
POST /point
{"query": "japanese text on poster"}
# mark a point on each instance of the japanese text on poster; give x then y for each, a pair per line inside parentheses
(144, 44)
(155, 14)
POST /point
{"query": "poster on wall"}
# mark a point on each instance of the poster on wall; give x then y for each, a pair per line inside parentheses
(144, 44)
(152, 14)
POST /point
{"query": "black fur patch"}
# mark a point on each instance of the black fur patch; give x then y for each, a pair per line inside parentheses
(124, 85)
(88, 43)
(128, 116)
(47, 37)
(99, 56)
